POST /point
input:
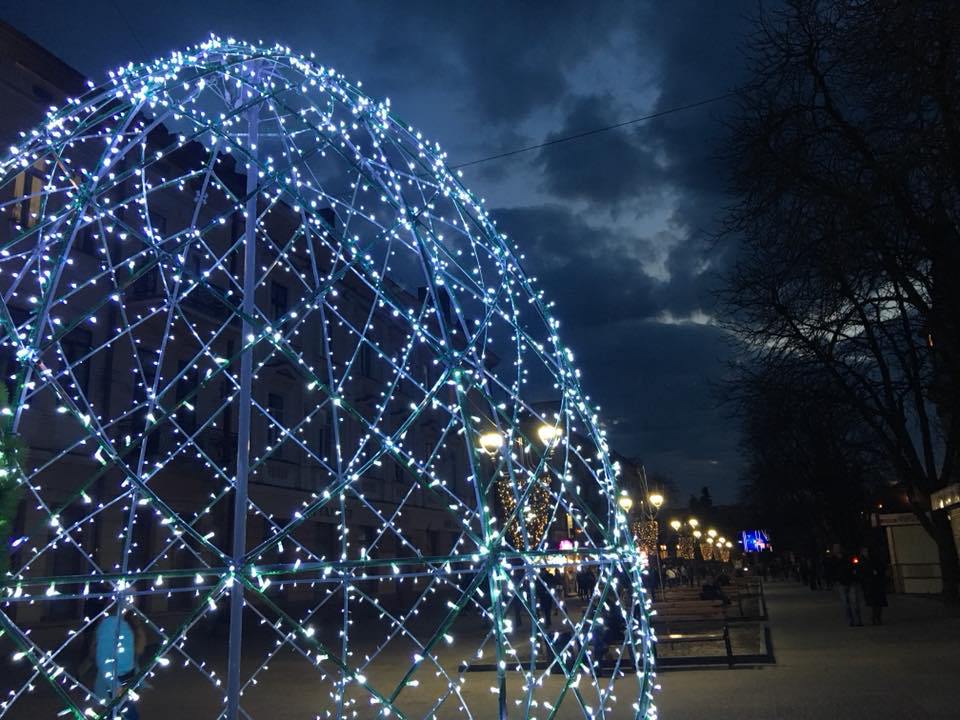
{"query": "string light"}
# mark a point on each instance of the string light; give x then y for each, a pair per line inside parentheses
(239, 294)
(646, 534)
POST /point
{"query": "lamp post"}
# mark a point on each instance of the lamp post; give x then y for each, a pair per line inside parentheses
(625, 502)
(695, 567)
(548, 434)
(655, 501)
(676, 525)
(491, 442)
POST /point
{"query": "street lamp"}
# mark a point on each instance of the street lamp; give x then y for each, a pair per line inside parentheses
(656, 500)
(693, 522)
(491, 442)
(676, 525)
(625, 502)
(697, 534)
(712, 533)
(548, 434)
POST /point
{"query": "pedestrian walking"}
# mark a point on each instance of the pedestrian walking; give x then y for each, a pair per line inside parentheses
(582, 582)
(545, 597)
(830, 570)
(874, 574)
(591, 581)
(671, 577)
(851, 591)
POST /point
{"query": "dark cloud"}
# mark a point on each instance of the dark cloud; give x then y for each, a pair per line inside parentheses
(517, 55)
(582, 267)
(655, 384)
(605, 169)
(618, 226)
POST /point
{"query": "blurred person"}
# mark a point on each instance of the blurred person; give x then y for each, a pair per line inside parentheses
(118, 642)
(874, 578)
(848, 578)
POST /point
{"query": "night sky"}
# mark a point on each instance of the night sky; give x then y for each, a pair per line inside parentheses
(619, 226)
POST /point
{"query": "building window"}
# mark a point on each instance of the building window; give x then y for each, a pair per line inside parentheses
(275, 408)
(75, 346)
(85, 241)
(326, 439)
(366, 360)
(158, 223)
(146, 372)
(28, 185)
(186, 411)
(278, 300)
(9, 367)
(149, 361)
(147, 284)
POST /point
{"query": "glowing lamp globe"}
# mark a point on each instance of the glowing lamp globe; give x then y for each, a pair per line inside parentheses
(491, 442)
(267, 361)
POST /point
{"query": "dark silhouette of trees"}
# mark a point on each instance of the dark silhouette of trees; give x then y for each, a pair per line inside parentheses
(702, 504)
(845, 154)
(811, 463)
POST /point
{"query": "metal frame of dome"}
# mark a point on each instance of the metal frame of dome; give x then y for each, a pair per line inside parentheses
(370, 208)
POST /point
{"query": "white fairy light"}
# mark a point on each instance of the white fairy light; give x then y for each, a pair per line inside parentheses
(409, 434)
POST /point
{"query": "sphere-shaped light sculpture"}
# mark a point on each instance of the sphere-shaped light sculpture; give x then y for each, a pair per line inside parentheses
(282, 402)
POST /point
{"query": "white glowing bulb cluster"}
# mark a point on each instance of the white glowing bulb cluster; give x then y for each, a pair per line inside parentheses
(408, 382)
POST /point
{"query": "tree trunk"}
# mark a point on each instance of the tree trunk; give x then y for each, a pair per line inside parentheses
(947, 550)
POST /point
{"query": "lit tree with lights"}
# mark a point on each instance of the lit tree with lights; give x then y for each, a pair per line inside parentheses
(262, 343)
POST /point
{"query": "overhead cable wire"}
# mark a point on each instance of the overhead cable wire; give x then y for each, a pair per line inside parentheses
(594, 131)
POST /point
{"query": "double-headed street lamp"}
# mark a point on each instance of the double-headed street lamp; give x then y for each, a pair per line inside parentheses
(492, 442)
(656, 502)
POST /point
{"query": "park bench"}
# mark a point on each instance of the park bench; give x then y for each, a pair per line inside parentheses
(721, 634)
(739, 591)
(683, 618)
(748, 588)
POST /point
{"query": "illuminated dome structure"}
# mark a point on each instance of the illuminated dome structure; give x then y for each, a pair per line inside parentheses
(281, 398)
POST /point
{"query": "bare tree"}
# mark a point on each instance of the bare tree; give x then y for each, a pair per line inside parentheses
(846, 159)
(809, 461)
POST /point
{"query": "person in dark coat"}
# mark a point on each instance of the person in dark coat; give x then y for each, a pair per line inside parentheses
(873, 575)
(851, 591)
(830, 571)
(545, 598)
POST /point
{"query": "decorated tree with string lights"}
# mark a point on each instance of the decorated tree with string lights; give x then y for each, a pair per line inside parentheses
(276, 369)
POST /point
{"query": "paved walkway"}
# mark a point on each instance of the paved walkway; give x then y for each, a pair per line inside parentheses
(906, 669)
(909, 668)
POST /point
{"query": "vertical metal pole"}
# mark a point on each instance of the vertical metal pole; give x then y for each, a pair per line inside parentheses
(243, 421)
